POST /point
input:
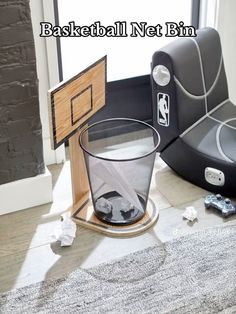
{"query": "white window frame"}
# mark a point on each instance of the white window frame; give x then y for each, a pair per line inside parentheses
(208, 13)
(47, 70)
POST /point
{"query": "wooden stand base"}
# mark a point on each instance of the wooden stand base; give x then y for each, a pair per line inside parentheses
(86, 218)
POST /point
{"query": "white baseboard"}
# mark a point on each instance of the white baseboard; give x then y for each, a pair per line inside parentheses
(26, 193)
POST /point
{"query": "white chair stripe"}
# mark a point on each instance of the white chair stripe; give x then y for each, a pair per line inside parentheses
(207, 115)
(198, 97)
(218, 139)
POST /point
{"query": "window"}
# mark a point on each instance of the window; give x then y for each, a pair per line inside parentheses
(127, 56)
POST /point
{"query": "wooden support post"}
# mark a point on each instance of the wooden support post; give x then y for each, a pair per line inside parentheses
(79, 178)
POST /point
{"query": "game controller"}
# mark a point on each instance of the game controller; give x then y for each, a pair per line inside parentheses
(219, 203)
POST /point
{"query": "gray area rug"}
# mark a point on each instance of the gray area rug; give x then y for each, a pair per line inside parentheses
(193, 274)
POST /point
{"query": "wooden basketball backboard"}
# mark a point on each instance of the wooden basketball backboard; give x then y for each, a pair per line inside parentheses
(73, 102)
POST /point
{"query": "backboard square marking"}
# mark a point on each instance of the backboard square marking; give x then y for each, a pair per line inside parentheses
(81, 104)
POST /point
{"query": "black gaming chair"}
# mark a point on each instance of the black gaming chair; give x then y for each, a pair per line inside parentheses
(193, 113)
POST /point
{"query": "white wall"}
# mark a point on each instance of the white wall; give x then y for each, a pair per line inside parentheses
(48, 77)
(226, 25)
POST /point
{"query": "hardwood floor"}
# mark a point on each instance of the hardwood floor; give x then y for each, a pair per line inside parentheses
(29, 254)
